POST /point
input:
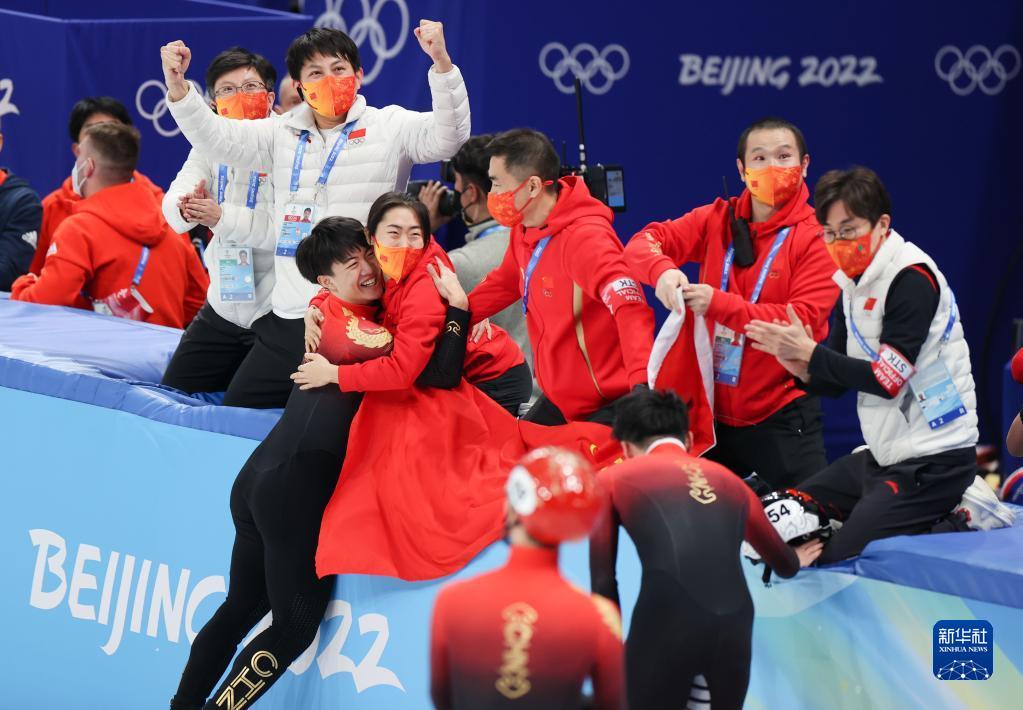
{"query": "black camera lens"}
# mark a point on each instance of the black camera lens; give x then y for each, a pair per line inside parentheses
(449, 204)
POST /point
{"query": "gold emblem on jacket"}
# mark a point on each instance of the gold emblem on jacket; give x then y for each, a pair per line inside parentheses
(366, 333)
(699, 488)
(513, 681)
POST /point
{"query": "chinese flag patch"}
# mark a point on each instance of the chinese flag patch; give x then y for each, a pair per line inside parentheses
(361, 133)
(870, 303)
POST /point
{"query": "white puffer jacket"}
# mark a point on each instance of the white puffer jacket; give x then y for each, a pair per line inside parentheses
(238, 226)
(896, 429)
(371, 164)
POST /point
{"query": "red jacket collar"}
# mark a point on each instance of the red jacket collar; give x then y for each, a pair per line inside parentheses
(523, 557)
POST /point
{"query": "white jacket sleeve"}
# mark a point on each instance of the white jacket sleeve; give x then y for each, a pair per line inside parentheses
(428, 137)
(244, 227)
(194, 170)
(247, 145)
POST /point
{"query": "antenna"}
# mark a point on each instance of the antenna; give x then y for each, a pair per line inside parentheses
(582, 134)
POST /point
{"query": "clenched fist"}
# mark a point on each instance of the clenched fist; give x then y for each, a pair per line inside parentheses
(431, 38)
(175, 57)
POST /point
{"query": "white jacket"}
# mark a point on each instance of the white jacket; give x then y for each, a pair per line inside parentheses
(371, 164)
(238, 226)
(895, 429)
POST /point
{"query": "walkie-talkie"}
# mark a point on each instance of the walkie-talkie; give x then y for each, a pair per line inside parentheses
(741, 239)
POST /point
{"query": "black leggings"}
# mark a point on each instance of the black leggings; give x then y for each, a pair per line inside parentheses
(674, 638)
(277, 503)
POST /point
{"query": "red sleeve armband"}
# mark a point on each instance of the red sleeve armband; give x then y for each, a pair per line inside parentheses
(891, 370)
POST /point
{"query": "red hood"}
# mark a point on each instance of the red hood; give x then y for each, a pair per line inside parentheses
(129, 209)
(574, 201)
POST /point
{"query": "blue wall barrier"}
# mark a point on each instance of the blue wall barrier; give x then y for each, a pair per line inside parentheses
(115, 536)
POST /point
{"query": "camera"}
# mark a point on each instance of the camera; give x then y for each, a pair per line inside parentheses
(449, 205)
(605, 182)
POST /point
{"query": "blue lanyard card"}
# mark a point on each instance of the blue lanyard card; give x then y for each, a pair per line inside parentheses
(299, 218)
(936, 394)
(237, 282)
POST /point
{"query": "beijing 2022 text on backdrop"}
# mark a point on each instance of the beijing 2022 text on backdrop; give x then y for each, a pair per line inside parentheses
(929, 95)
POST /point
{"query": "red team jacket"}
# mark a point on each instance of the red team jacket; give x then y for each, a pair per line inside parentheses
(97, 249)
(800, 275)
(523, 637)
(414, 312)
(589, 324)
(58, 206)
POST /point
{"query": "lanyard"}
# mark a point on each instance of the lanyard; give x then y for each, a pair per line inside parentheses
(328, 165)
(250, 199)
(953, 312)
(487, 231)
(533, 260)
(143, 260)
(730, 256)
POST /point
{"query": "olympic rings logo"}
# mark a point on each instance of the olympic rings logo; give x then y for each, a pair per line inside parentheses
(368, 27)
(982, 68)
(159, 108)
(571, 65)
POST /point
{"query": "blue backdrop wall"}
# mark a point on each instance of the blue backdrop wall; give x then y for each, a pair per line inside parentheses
(929, 96)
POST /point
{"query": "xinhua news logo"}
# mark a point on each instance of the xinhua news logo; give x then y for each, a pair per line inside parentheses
(963, 650)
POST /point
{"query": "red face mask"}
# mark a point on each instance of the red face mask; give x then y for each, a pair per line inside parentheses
(772, 185)
(852, 256)
(502, 205)
(331, 96)
(242, 105)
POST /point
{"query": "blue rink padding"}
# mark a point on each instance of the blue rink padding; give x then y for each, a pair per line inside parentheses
(115, 536)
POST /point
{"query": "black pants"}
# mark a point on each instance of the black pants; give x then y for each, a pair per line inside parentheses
(674, 638)
(209, 354)
(210, 359)
(277, 503)
(783, 450)
(876, 501)
(511, 389)
(547, 413)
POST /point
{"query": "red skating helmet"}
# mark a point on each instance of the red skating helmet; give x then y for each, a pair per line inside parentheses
(555, 494)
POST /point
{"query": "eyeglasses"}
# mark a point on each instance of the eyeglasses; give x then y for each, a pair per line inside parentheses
(249, 87)
(830, 236)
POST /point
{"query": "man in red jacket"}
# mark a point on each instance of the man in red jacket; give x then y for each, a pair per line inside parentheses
(589, 325)
(522, 636)
(115, 253)
(57, 206)
(757, 253)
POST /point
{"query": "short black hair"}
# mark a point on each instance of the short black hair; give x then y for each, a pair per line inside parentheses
(645, 414)
(333, 239)
(321, 40)
(89, 107)
(472, 161)
(769, 123)
(860, 189)
(526, 151)
(237, 58)
(388, 201)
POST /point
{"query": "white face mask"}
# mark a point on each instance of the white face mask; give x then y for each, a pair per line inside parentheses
(76, 182)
